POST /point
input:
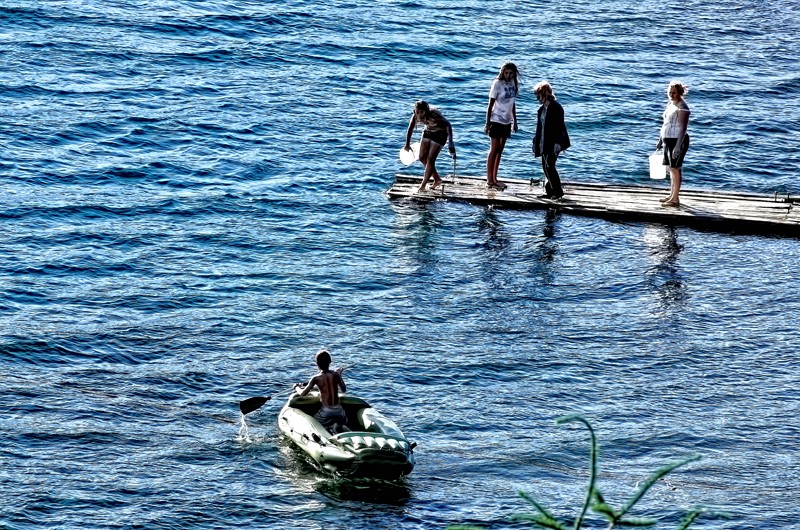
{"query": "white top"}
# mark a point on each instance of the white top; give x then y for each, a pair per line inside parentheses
(505, 95)
(672, 126)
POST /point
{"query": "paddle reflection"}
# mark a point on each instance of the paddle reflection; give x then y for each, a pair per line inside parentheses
(374, 491)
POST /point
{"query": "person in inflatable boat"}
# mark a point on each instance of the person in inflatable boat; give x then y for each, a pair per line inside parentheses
(331, 415)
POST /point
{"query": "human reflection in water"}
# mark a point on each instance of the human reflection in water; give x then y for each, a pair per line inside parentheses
(497, 240)
(665, 277)
(414, 227)
(543, 248)
(548, 247)
(493, 251)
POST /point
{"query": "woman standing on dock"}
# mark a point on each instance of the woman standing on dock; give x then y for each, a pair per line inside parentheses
(437, 131)
(501, 118)
(674, 139)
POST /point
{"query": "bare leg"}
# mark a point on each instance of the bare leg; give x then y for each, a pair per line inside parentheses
(424, 149)
(501, 146)
(675, 175)
(493, 160)
(431, 151)
(491, 163)
(434, 153)
(430, 169)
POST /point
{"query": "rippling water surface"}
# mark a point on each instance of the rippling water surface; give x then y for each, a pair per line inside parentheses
(192, 204)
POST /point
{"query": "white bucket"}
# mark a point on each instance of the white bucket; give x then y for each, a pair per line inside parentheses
(657, 168)
(408, 157)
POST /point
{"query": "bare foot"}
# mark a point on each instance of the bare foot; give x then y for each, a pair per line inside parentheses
(501, 185)
(665, 199)
(671, 203)
(421, 188)
(436, 184)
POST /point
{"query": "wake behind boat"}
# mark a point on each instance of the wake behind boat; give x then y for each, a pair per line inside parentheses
(374, 447)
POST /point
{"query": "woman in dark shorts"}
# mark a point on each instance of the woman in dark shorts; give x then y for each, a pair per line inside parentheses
(501, 118)
(674, 139)
(437, 132)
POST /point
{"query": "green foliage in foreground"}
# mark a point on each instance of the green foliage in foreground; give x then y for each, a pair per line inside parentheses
(597, 503)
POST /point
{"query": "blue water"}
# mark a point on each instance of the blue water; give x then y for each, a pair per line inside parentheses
(193, 202)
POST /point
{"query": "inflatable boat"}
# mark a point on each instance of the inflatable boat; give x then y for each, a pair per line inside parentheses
(374, 447)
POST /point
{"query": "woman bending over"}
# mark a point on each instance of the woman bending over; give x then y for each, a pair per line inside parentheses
(436, 133)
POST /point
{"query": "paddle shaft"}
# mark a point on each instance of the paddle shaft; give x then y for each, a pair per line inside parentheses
(254, 403)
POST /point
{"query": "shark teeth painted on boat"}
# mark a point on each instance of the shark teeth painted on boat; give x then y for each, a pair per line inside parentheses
(375, 446)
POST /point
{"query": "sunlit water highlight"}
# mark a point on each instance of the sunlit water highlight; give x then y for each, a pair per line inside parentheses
(193, 204)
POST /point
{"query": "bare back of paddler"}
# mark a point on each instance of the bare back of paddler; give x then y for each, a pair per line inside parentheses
(332, 415)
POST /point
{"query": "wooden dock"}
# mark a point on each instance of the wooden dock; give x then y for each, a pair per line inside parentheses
(710, 210)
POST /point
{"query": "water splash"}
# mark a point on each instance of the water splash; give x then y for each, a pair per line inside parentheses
(244, 433)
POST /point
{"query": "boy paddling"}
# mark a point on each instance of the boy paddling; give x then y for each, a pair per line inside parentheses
(331, 415)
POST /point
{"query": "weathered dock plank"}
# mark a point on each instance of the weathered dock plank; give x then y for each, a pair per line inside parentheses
(706, 209)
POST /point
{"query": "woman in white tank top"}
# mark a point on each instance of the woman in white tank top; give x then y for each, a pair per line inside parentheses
(674, 139)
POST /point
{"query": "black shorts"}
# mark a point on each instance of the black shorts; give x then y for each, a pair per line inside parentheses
(499, 130)
(669, 145)
(438, 137)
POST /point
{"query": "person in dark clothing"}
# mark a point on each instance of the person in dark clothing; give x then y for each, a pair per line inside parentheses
(551, 138)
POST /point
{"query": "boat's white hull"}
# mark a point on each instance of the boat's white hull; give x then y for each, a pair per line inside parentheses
(377, 448)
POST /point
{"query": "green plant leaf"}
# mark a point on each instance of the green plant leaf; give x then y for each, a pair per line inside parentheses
(590, 490)
(599, 496)
(541, 520)
(689, 518)
(536, 504)
(637, 522)
(605, 509)
(596, 501)
(660, 472)
(693, 514)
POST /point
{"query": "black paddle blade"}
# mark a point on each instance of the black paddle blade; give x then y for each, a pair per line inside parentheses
(254, 403)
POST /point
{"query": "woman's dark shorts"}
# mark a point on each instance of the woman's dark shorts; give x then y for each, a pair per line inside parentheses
(499, 130)
(438, 137)
(669, 145)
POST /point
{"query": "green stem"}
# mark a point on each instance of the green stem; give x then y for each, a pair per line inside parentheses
(592, 465)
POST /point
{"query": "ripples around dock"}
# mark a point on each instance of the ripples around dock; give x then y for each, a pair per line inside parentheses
(193, 203)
